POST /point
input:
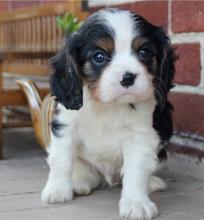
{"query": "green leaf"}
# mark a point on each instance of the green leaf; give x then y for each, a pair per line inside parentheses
(68, 23)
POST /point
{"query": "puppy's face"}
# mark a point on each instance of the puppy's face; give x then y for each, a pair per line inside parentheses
(121, 57)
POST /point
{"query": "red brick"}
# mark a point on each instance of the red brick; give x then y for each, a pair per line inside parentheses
(188, 66)
(154, 11)
(189, 113)
(186, 150)
(5, 6)
(187, 16)
(23, 4)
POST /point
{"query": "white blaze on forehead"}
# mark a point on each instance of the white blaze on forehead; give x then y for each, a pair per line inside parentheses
(123, 26)
(123, 60)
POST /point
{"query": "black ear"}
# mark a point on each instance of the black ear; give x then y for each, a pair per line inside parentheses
(168, 65)
(65, 81)
(166, 57)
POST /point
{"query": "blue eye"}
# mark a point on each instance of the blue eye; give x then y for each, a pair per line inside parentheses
(100, 57)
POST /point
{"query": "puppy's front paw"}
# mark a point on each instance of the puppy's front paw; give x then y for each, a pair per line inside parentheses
(55, 192)
(137, 210)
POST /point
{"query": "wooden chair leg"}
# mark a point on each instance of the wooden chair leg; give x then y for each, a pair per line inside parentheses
(1, 112)
(1, 134)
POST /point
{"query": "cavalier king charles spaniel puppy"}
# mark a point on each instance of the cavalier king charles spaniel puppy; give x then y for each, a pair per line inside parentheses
(113, 120)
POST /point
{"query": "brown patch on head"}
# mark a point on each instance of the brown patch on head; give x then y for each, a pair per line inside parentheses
(92, 84)
(94, 90)
(87, 69)
(107, 44)
(138, 42)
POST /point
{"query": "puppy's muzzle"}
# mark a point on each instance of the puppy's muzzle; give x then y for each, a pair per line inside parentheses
(128, 79)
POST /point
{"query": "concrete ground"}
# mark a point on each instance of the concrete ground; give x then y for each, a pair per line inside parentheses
(24, 172)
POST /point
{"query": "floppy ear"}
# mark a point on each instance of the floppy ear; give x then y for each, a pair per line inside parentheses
(162, 117)
(166, 58)
(65, 81)
(168, 65)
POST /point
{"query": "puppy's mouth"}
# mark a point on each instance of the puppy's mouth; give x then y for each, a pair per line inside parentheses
(126, 95)
(138, 95)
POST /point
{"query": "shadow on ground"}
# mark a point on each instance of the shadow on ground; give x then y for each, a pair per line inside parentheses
(21, 143)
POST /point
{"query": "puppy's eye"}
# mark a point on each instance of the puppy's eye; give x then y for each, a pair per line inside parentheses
(145, 54)
(100, 57)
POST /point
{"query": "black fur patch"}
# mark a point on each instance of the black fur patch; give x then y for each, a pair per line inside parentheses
(132, 106)
(162, 155)
(65, 81)
(162, 123)
(56, 126)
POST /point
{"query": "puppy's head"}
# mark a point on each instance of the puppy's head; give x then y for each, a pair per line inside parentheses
(119, 56)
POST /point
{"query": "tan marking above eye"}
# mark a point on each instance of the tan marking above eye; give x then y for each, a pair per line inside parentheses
(138, 42)
(107, 44)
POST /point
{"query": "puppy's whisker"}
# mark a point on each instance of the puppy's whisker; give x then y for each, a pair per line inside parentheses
(160, 94)
(160, 81)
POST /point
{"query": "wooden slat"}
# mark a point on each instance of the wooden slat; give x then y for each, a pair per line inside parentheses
(4, 37)
(29, 36)
(44, 10)
(26, 69)
(17, 97)
(59, 39)
(44, 34)
(12, 97)
(17, 37)
(38, 34)
(54, 33)
(49, 33)
(31, 55)
(9, 36)
(33, 41)
(17, 124)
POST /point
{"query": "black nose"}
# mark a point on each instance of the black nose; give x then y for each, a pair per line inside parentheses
(128, 79)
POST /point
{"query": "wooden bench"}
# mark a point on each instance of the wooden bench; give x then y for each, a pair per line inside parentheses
(28, 37)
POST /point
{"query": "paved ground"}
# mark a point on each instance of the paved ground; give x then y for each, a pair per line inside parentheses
(24, 172)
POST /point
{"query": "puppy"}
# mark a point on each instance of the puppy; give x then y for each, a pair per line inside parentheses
(113, 119)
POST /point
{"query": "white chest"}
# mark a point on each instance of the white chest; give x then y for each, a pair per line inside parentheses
(103, 134)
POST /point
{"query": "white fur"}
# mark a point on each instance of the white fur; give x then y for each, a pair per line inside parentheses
(107, 141)
(123, 61)
(110, 138)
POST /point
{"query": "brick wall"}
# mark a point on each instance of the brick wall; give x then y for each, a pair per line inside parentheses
(184, 23)
(186, 29)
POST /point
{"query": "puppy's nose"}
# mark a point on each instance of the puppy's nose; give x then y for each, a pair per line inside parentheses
(128, 79)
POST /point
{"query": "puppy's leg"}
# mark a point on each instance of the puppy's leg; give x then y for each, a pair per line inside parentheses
(85, 177)
(59, 187)
(140, 161)
(156, 183)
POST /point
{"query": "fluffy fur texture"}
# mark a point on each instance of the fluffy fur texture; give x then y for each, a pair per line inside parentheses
(113, 118)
